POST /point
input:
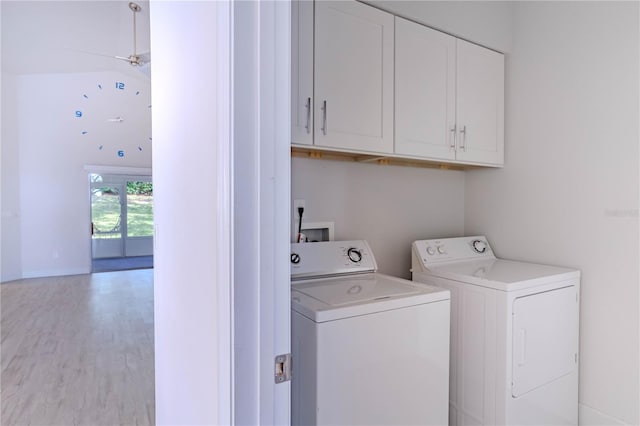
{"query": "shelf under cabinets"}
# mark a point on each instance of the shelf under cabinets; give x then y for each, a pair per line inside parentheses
(320, 153)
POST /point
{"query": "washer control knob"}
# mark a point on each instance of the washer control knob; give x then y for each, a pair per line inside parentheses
(295, 258)
(354, 255)
(441, 250)
(431, 251)
(479, 246)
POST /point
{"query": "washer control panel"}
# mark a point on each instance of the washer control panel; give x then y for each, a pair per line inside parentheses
(452, 249)
(327, 258)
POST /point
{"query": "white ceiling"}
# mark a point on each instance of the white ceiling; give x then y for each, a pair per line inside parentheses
(49, 36)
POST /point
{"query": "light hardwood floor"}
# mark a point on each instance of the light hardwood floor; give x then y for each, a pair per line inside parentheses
(78, 350)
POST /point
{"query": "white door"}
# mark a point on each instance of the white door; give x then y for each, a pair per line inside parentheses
(302, 72)
(545, 338)
(121, 216)
(353, 77)
(425, 75)
(480, 104)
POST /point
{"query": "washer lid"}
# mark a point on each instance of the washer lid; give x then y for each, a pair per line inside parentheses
(354, 290)
(503, 274)
(330, 299)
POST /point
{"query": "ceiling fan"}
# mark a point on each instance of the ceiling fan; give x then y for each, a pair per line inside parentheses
(135, 59)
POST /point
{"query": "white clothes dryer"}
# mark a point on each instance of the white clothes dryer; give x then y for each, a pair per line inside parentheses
(514, 334)
(367, 348)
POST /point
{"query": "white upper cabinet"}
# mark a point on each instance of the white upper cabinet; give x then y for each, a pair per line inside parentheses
(480, 104)
(449, 98)
(302, 72)
(366, 82)
(425, 111)
(353, 77)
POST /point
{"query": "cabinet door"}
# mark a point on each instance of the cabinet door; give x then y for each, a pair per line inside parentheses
(353, 77)
(302, 72)
(480, 104)
(424, 91)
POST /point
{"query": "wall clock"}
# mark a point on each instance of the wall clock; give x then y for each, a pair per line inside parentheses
(115, 119)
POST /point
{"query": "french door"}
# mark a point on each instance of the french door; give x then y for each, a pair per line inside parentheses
(121, 216)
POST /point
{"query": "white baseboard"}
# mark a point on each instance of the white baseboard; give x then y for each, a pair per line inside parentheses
(56, 272)
(9, 278)
(588, 416)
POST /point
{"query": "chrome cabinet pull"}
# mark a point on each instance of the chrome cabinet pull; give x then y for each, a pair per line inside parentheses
(463, 143)
(308, 126)
(452, 139)
(324, 117)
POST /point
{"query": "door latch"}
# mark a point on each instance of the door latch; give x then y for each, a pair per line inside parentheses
(283, 368)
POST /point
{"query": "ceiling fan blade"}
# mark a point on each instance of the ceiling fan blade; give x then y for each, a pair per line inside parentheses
(135, 60)
(89, 52)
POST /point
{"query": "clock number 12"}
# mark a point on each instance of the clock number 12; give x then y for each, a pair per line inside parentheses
(119, 85)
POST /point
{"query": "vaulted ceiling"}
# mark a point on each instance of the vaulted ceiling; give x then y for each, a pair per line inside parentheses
(70, 36)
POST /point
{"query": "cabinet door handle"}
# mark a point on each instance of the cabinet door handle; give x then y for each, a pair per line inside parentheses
(324, 117)
(463, 142)
(308, 126)
(452, 139)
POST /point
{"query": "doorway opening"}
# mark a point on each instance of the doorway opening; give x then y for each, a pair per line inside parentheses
(121, 222)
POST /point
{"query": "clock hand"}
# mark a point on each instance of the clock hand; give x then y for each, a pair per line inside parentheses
(117, 119)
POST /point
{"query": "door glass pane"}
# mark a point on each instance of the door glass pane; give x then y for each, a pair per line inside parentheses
(139, 209)
(105, 212)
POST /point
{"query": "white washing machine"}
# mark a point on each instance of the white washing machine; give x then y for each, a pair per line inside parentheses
(367, 348)
(514, 334)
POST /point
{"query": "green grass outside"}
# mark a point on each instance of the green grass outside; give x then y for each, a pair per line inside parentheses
(106, 211)
(140, 216)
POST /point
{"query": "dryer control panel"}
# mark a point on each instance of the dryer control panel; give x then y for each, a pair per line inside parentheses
(452, 249)
(329, 258)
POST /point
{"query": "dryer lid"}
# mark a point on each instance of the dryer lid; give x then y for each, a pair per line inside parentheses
(505, 275)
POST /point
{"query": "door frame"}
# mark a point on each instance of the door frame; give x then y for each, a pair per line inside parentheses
(262, 196)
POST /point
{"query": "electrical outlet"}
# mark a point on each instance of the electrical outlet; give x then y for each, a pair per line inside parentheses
(298, 203)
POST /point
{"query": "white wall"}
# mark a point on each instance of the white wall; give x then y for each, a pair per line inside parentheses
(11, 248)
(389, 206)
(192, 277)
(54, 210)
(568, 193)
